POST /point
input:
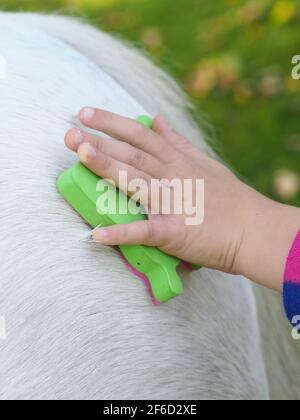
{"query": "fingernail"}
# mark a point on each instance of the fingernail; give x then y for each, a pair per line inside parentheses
(78, 137)
(100, 235)
(86, 152)
(87, 114)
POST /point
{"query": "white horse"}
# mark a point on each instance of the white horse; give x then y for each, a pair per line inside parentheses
(79, 325)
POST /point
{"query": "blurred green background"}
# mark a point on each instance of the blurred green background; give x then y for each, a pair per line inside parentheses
(233, 57)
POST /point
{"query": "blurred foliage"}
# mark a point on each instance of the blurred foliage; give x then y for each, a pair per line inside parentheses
(234, 59)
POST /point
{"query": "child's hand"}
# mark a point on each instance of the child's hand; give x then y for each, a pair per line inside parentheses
(237, 220)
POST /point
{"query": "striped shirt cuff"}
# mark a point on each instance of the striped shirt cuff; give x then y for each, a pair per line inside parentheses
(291, 289)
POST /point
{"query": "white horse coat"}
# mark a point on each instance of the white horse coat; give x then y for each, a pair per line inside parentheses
(79, 325)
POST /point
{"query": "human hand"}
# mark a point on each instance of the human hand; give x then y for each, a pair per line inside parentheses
(236, 218)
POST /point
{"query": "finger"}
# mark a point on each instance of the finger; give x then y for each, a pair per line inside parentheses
(118, 150)
(128, 130)
(73, 139)
(161, 127)
(149, 233)
(131, 181)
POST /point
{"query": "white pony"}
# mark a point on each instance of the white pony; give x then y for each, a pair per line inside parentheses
(79, 325)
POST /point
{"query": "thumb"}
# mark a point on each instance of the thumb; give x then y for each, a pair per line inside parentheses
(148, 233)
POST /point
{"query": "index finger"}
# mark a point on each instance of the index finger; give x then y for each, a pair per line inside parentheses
(128, 130)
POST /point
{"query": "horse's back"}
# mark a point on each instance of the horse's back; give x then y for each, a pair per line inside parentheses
(79, 324)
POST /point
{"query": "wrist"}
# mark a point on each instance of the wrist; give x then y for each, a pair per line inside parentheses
(268, 233)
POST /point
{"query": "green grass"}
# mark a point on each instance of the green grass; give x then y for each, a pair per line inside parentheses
(234, 59)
